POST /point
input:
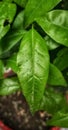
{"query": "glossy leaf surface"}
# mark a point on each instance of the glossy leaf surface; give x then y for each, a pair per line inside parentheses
(36, 8)
(55, 24)
(33, 63)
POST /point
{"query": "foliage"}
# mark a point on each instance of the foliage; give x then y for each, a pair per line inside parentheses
(34, 44)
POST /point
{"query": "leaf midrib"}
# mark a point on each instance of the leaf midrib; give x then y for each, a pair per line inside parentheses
(32, 48)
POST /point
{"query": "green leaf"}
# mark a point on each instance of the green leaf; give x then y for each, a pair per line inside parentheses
(12, 63)
(21, 3)
(6, 17)
(55, 24)
(33, 63)
(36, 8)
(61, 61)
(4, 30)
(51, 44)
(7, 13)
(18, 22)
(60, 119)
(9, 86)
(53, 101)
(8, 1)
(1, 69)
(11, 40)
(55, 76)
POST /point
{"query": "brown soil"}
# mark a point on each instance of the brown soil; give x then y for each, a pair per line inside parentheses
(15, 113)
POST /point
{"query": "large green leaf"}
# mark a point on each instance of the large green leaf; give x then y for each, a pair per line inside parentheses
(61, 61)
(36, 8)
(33, 63)
(55, 76)
(8, 86)
(55, 24)
(7, 13)
(59, 119)
(53, 101)
(11, 40)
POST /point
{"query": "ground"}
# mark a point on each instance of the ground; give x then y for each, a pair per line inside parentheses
(15, 113)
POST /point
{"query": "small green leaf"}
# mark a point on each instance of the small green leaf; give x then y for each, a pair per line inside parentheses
(6, 17)
(1, 69)
(33, 63)
(36, 8)
(51, 44)
(18, 22)
(4, 30)
(60, 119)
(55, 76)
(7, 13)
(12, 63)
(21, 3)
(61, 61)
(53, 101)
(9, 86)
(11, 40)
(55, 24)
(8, 1)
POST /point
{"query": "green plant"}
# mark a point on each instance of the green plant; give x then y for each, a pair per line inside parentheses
(34, 44)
